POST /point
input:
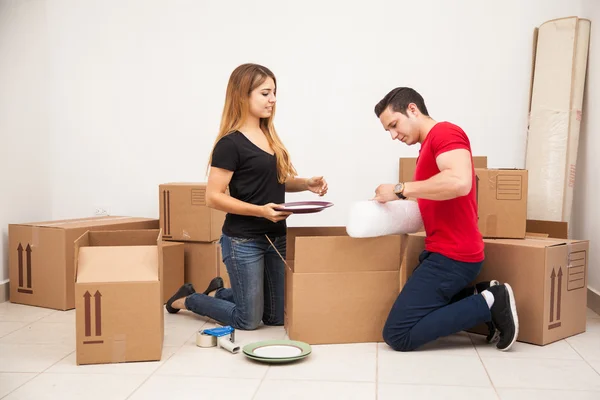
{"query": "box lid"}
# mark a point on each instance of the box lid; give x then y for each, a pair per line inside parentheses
(534, 242)
(184, 184)
(84, 222)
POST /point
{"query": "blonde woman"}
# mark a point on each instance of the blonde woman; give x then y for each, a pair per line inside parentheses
(248, 158)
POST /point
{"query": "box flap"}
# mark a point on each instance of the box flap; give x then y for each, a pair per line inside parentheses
(139, 237)
(118, 264)
(554, 229)
(184, 184)
(82, 241)
(539, 242)
(84, 222)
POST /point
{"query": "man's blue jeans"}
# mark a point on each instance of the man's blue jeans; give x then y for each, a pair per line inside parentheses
(257, 276)
(434, 303)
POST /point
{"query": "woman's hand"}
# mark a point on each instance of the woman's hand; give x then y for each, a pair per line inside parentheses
(317, 184)
(269, 212)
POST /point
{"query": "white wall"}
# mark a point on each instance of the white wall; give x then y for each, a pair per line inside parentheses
(586, 215)
(137, 88)
(25, 137)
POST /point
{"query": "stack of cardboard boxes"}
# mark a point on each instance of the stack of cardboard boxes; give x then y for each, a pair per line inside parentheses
(185, 219)
(546, 270)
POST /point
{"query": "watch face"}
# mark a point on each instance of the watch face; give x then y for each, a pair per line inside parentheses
(399, 188)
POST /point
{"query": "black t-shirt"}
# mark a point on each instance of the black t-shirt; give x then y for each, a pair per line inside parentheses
(254, 181)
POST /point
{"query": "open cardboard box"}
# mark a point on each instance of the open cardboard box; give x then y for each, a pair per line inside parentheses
(339, 289)
(118, 297)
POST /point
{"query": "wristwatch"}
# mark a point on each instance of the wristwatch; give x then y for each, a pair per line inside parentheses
(399, 190)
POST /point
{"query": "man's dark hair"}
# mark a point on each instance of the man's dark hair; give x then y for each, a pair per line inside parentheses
(399, 99)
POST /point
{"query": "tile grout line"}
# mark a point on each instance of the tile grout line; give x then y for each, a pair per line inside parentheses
(376, 371)
(165, 361)
(27, 324)
(582, 357)
(38, 374)
(484, 367)
(261, 382)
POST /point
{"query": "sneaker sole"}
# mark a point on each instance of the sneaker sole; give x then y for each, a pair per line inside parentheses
(513, 310)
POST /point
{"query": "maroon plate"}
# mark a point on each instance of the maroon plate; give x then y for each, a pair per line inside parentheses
(304, 207)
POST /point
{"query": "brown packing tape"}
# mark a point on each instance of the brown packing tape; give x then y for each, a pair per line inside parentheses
(119, 348)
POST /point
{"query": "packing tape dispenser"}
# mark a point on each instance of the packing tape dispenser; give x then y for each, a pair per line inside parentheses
(218, 337)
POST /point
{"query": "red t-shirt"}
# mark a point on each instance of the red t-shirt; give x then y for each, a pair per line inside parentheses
(450, 225)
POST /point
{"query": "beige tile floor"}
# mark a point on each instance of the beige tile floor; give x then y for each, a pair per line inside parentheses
(37, 361)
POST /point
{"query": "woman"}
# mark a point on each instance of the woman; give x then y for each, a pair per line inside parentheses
(248, 158)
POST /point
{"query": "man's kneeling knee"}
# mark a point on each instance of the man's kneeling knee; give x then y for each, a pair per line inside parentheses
(398, 341)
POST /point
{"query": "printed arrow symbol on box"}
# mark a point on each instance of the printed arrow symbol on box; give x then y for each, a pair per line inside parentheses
(552, 278)
(560, 275)
(98, 300)
(20, 251)
(88, 317)
(28, 250)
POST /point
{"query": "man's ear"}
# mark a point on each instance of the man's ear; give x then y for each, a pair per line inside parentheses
(413, 109)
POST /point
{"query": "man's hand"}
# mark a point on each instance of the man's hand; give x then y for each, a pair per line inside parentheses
(385, 193)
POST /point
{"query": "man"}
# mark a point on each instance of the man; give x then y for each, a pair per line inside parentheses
(434, 302)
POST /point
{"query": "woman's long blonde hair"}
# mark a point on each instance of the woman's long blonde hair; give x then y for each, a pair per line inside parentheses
(243, 80)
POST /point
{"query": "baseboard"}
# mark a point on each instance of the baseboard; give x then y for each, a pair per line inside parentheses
(4, 291)
(593, 300)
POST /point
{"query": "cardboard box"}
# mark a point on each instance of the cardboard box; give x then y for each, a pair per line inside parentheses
(548, 277)
(502, 202)
(184, 215)
(203, 263)
(41, 257)
(408, 165)
(118, 297)
(339, 289)
(173, 268)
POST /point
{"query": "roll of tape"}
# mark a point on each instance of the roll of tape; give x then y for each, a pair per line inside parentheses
(204, 340)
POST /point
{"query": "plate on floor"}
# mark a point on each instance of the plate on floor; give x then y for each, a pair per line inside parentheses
(276, 360)
(289, 350)
(304, 207)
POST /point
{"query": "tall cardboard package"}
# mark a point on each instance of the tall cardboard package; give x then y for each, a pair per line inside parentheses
(339, 289)
(184, 215)
(41, 257)
(548, 277)
(119, 303)
(203, 262)
(173, 268)
(502, 202)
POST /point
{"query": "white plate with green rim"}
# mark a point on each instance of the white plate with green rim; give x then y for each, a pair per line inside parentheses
(277, 350)
(275, 360)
